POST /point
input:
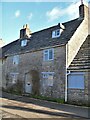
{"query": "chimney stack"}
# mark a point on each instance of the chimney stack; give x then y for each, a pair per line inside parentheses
(81, 2)
(25, 32)
(83, 11)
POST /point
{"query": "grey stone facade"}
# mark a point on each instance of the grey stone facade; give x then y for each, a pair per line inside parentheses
(80, 96)
(81, 64)
(34, 61)
(25, 66)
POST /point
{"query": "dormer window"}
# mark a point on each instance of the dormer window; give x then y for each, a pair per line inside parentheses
(23, 43)
(56, 33)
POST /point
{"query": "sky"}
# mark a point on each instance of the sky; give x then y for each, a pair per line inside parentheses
(37, 14)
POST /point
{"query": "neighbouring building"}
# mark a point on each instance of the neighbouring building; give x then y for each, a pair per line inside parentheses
(1, 45)
(53, 62)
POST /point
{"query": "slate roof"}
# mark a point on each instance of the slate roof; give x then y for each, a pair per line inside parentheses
(82, 59)
(5, 48)
(44, 38)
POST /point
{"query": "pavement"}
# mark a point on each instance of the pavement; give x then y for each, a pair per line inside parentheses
(9, 115)
(42, 108)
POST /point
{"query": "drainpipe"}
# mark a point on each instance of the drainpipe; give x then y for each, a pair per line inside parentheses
(66, 85)
(66, 75)
(66, 88)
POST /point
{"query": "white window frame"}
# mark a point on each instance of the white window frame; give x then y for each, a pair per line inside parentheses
(24, 42)
(54, 33)
(16, 60)
(14, 77)
(48, 54)
(46, 76)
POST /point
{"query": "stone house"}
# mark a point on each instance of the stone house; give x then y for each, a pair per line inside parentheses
(53, 62)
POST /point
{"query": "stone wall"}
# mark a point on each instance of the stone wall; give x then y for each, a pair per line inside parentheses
(0, 73)
(34, 61)
(77, 40)
(80, 96)
(0, 68)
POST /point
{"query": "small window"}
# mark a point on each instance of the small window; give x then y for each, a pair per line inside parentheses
(16, 59)
(56, 33)
(14, 77)
(48, 54)
(23, 43)
(48, 78)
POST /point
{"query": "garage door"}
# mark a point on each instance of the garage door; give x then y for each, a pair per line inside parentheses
(76, 81)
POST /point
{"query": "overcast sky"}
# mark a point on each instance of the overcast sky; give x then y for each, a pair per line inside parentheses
(37, 14)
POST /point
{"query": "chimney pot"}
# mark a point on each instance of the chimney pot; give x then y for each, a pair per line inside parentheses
(24, 26)
(27, 26)
(81, 2)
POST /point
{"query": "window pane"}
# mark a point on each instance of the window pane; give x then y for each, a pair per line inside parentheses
(50, 76)
(50, 54)
(23, 43)
(58, 32)
(16, 59)
(53, 34)
(45, 75)
(48, 79)
(45, 57)
(14, 77)
(46, 52)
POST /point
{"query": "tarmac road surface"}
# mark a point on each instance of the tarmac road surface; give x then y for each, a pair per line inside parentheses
(24, 107)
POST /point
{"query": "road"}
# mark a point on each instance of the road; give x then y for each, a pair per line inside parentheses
(24, 110)
(14, 108)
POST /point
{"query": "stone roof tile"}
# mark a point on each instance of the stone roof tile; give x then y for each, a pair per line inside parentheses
(82, 59)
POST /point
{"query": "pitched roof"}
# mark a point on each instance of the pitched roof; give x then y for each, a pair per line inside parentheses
(5, 48)
(82, 59)
(44, 38)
